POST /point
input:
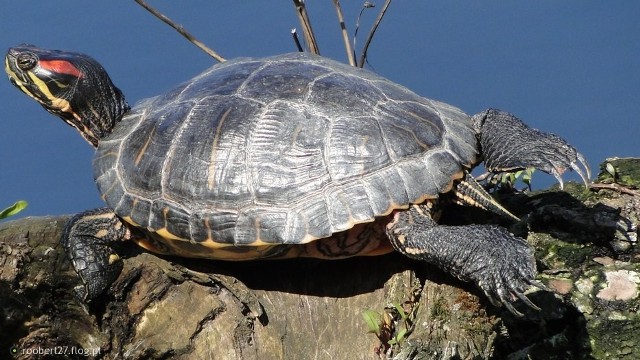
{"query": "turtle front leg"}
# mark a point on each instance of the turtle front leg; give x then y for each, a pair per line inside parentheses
(88, 240)
(499, 263)
(508, 144)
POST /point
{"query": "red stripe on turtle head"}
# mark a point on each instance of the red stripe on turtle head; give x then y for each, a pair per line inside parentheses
(61, 67)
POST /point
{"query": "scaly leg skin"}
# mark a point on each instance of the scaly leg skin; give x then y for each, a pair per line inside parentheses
(508, 144)
(88, 239)
(499, 263)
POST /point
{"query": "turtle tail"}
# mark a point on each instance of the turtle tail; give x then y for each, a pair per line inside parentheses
(469, 192)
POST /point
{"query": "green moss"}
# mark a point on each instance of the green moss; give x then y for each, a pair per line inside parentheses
(573, 254)
(614, 339)
(581, 192)
(440, 310)
(626, 171)
(560, 254)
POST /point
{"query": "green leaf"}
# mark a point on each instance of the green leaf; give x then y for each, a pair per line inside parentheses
(401, 334)
(610, 169)
(373, 320)
(400, 310)
(13, 209)
(526, 178)
(398, 338)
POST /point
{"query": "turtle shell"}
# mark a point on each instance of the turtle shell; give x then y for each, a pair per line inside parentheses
(279, 150)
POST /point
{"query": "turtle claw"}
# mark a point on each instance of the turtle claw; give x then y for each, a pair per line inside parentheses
(580, 166)
(507, 297)
(586, 178)
(540, 285)
(508, 285)
(526, 300)
(558, 177)
(513, 310)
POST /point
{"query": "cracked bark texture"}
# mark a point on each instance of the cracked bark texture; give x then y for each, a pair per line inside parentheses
(162, 308)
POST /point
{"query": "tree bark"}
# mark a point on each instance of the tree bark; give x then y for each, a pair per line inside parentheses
(162, 307)
(167, 307)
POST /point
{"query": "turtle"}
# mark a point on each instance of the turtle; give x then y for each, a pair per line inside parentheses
(292, 155)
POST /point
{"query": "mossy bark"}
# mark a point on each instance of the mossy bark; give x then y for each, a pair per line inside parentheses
(163, 308)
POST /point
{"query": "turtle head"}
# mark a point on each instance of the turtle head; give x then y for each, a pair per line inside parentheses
(70, 85)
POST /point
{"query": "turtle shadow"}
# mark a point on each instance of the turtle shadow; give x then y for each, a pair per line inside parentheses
(600, 227)
(308, 276)
(557, 331)
(556, 213)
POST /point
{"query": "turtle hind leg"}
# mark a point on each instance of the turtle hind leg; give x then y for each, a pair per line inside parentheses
(508, 144)
(499, 263)
(88, 240)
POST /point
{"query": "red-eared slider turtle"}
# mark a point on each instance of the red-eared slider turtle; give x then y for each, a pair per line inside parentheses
(293, 155)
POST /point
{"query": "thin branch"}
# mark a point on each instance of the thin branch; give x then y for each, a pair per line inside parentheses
(363, 56)
(345, 36)
(181, 30)
(366, 5)
(306, 26)
(294, 33)
(615, 187)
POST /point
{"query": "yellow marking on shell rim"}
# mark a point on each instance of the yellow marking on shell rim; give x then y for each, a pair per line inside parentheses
(211, 179)
(166, 234)
(457, 176)
(207, 249)
(394, 206)
(130, 221)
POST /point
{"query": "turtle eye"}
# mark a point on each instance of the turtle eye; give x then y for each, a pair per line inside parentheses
(26, 61)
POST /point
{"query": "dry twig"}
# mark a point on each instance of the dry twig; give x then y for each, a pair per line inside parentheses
(294, 34)
(179, 28)
(306, 26)
(345, 36)
(615, 187)
(363, 56)
(366, 5)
